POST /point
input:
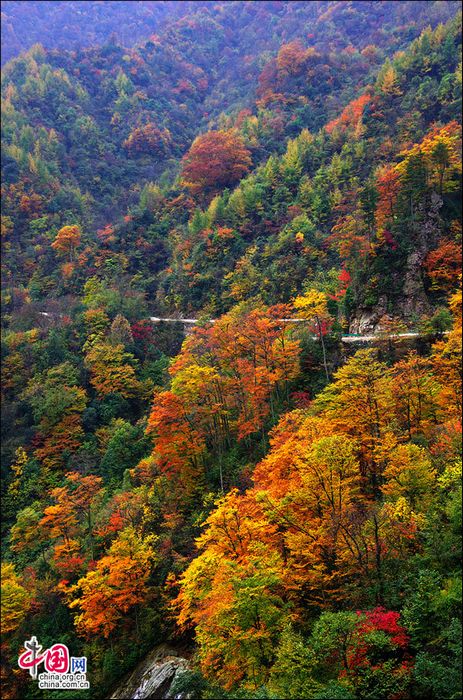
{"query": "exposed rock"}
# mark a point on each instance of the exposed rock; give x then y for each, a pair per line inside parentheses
(153, 677)
(415, 301)
(412, 304)
(367, 319)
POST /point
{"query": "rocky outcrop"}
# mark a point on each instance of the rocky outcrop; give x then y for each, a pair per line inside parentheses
(154, 676)
(413, 302)
(366, 320)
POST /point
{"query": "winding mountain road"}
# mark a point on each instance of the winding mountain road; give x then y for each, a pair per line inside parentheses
(349, 338)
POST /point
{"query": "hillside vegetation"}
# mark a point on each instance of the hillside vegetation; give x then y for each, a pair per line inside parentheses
(286, 507)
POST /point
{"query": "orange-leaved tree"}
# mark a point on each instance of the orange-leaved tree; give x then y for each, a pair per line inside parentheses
(69, 520)
(224, 385)
(232, 592)
(117, 585)
(216, 160)
(67, 241)
(446, 361)
(112, 370)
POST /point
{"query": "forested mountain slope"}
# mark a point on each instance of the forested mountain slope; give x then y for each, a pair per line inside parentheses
(87, 103)
(285, 508)
(80, 148)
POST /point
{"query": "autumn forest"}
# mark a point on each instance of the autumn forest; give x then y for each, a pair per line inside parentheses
(231, 347)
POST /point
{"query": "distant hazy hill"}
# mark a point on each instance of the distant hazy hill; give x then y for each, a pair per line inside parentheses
(68, 25)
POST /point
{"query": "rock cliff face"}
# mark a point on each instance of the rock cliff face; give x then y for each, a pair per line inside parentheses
(366, 320)
(413, 301)
(153, 677)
